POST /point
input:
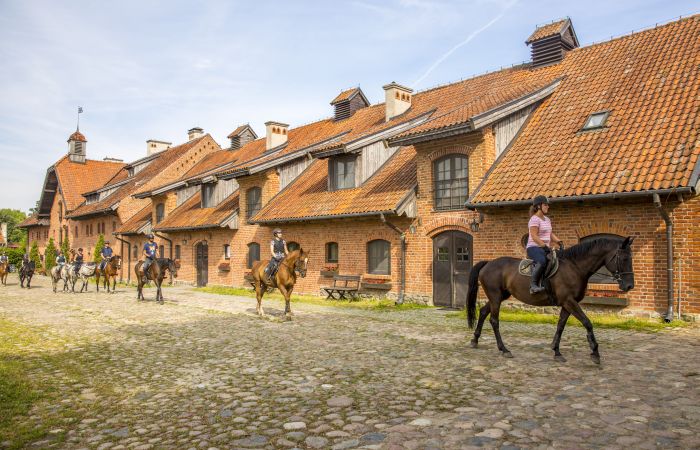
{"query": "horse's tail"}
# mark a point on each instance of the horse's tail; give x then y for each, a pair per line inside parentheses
(471, 293)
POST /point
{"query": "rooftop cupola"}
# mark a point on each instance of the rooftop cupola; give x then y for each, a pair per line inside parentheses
(549, 43)
(398, 99)
(275, 134)
(77, 147)
(241, 136)
(194, 133)
(347, 102)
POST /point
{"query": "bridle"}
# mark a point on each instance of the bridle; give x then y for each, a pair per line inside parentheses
(618, 273)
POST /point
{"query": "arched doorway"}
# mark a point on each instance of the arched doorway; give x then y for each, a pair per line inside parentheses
(202, 259)
(452, 261)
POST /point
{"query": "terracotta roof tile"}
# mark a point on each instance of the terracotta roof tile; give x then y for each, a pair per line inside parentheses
(78, 178)
(346, 94)
(77, 136)
(33, 221)
(548, 30)
(191, 215)
(308, 197)
(650, 84)
(136, 222)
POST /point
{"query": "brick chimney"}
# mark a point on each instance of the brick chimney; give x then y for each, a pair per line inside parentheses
(398, 100)
(194, 133)
(153, 146)
(276, 134)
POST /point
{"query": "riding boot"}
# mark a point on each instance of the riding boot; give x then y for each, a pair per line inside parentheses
(536, 278)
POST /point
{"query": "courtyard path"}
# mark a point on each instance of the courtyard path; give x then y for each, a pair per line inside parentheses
(203, 372)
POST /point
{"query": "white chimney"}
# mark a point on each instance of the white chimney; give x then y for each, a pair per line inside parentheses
(276, 134)
(153, 146)
(194, 133)
(398, 99)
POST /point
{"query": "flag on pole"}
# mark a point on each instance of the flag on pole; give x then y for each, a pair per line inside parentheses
(80, 109)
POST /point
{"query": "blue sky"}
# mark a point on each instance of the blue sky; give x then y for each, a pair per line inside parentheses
(153, 69)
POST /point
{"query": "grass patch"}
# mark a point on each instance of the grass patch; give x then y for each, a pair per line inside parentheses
(599, 320)
(370, 304)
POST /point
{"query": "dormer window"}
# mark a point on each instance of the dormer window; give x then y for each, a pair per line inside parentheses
(596, 120)
(208, 195)
(341, 172)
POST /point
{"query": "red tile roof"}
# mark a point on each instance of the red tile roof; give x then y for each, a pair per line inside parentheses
(78, 178)
(308, 198)
(650, 84)
(136, 222)
(348, 94)
(548, 30)
(190, 215)
(239, 130)
(33, 221)
(77, 136)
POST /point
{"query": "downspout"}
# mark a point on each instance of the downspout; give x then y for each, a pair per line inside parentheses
(171, 252)
(128, 266)
(669, 254)
(402, 235)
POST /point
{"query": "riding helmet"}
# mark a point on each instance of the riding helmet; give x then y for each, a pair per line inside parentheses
(276, 231)
(150, 236)
(540, 199)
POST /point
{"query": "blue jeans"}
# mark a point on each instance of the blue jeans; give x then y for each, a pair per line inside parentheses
(537, 254)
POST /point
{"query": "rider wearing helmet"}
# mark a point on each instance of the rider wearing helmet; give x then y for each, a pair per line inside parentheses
(539, 241)
(60, 259)
(149, 253)
(278, 250)
(106, 254)
(78, 260)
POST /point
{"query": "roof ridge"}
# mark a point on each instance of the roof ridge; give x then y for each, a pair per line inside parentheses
(552, 22)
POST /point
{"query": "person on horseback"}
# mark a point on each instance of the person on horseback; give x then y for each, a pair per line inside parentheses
(106, 254)
(149, 253)
(3, 258)
(60, 258)
(539, 240)
(278, 251)
(78, 261)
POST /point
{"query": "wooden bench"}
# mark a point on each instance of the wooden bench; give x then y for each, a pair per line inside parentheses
(343, 285)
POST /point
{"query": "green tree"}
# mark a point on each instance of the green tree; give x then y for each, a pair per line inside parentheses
(96, 256)
(34, 255)
(65, 247)
(13, 217)
(50, 255)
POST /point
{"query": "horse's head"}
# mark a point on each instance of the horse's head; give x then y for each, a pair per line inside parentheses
(620, 265)
(301, 263)
(172, 267)
(116, 261)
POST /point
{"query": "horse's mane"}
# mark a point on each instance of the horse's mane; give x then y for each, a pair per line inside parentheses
(579, 250)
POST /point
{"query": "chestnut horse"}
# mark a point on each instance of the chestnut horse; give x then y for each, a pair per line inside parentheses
(156, 273)
(109, 273)
(4, 270)
(500, 279)
(284, 280)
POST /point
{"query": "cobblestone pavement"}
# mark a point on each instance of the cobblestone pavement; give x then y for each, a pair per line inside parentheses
(203, 372)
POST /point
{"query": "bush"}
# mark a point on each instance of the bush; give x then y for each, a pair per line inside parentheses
(65, 248)
(34, 255)
(50, 255)
(14, 255)
(96, 255)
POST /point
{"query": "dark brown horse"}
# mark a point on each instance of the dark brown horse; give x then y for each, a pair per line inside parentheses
(4, 270)
(156, 273)
(284, 279)
(26, 272)
(109, 273)
(500, 279)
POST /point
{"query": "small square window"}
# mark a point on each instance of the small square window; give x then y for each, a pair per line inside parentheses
(596, 120)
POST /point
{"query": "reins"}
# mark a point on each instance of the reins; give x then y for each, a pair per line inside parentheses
(617, 275)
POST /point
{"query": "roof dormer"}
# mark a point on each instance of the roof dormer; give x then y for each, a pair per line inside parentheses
(549, 43)
(347, 102)
(241, 136)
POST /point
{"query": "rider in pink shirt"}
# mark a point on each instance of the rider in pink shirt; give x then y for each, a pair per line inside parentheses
(539, 241)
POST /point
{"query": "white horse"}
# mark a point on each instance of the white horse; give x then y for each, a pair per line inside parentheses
(84, 273)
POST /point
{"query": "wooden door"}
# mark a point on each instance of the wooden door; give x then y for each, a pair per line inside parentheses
(452, 261)
(202, 258)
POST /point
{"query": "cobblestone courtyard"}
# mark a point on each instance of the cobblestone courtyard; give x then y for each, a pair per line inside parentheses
(203, 372)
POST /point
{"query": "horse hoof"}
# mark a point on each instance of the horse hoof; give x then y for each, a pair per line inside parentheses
(507, 354)
(595, 359)
(474, 343)
(559, 358)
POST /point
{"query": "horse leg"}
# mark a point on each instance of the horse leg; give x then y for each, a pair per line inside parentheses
(485, 311)
(159, 293)
(259, 295)
(575, 309)
(563, 317)
(286, 293)
(495, 302)
(97, 282)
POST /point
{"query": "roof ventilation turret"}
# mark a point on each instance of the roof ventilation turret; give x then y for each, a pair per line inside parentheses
(347, 102)
(549, 43)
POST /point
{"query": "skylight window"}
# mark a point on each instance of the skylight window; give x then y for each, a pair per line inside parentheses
(596, 120)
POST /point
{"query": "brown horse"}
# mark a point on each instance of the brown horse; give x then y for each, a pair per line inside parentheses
(4, 270)
(284, 279)
(109, 273)
(156, 272)
(500, 279)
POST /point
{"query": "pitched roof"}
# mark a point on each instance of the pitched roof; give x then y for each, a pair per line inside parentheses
(33, 221)
(77, 178)
(349, 94)
(190, 215)
(163, 160)
(240, 130)
(650, 84)
(77, 136)
(307, 198)
(136, 222)
(548, 30)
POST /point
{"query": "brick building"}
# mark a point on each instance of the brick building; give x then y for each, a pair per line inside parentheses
(410, 193)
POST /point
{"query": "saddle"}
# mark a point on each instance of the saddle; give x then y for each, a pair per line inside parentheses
(525, 266)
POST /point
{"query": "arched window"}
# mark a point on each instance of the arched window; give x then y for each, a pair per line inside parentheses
(160, 212)
(177, 252)
(227, 251)
(291, 246)
(135, 251)
(603, 276)
(253, 253)
(379, 257)
(60, 211)
(161, 251)
(253, 201)
(331, 252)
(451, 176)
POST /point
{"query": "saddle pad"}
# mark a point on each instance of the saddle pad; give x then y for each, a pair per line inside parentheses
(525, 268)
